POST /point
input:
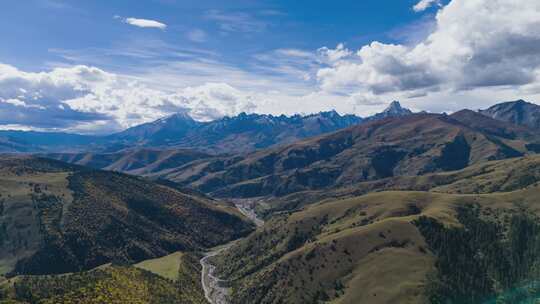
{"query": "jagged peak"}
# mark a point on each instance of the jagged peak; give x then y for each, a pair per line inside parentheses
(395, 107)
(176, 116)
(327, 114)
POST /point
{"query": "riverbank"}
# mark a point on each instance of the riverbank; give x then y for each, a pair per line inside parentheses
(215, 291)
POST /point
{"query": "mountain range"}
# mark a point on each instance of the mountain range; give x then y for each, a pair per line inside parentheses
(229, 135)
(242, 133)
(238, 134)
(400, 207)
(403, 143)
(410, 145)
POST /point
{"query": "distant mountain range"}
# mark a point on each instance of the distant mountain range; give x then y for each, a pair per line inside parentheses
(397, 141)
(238, 134)
(242, 133)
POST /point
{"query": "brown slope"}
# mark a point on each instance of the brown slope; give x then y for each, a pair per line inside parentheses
(492, 126)
(482, 178)
(57, 218)
(406, 146)
(136, 161)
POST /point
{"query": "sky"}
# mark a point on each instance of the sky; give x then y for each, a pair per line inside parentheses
(100, 66)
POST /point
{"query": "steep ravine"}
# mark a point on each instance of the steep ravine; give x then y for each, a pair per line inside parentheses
(215, 289)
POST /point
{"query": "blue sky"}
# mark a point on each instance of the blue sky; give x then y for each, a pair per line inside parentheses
(36, 33)
(102, 66)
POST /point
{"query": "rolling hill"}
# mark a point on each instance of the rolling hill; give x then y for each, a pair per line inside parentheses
(482, 178)
(135, 161)
(433, 246)
(59, 218)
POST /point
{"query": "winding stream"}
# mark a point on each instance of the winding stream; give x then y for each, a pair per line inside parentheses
(214, 289)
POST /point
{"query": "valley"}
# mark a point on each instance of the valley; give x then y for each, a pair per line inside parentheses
(215, 289)
(412, 208)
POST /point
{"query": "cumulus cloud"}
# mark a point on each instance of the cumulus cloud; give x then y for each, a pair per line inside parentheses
(332, 56)
(476, 48)
(145, 23)
(90, 100)
(425, 4)
(87, 99)
(475, 44)
(214, 100)
(38, 99)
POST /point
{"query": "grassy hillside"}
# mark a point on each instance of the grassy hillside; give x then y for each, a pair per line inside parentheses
(486, 177)
(407, 146)
(383, 248)
(58, 218)
(167, 266)
(113, 284)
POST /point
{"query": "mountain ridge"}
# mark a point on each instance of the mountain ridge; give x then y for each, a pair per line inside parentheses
(237, 134)
(518, 112)
(409, 145)
(181, 131)
(57, 217)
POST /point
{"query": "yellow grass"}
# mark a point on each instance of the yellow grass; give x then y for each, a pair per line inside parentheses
(167, 266)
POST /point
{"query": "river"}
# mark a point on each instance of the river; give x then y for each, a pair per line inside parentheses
(214, 291)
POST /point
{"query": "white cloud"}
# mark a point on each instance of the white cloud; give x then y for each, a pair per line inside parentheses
(90, 100)
(214, 100)
(19, 103)
(38, 99)
(479, 52)
(475, 44)
(332, 56)
(197, 35)
(145, 23)
(425, 4)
